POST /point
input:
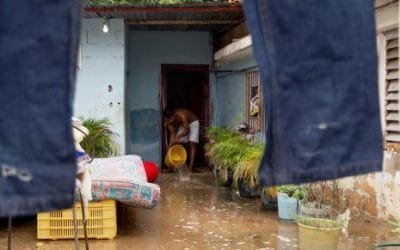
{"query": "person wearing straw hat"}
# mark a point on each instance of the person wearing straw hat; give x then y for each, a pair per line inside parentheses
(187, 132)
(83, 180)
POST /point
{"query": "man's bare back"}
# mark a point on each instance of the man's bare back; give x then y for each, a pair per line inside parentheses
(185, 116)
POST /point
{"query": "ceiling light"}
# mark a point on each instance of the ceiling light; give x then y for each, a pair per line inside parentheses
(106, 24)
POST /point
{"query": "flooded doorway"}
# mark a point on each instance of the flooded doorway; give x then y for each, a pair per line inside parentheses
(186, 86)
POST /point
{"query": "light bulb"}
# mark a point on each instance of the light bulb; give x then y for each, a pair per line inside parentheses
(105, 28)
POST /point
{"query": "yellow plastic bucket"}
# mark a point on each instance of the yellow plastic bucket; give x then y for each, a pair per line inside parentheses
(312, 237)
(176, 156)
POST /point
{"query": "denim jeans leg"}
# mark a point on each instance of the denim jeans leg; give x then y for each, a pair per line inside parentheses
(318, 65)
(38, 45)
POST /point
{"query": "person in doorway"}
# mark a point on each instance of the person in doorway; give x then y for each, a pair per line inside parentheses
(183, 126)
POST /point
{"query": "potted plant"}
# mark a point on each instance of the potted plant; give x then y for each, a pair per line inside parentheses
(101, 139)
(289, 197)
(225, 150)
(231, 153)
(269, 197)
(315, 204)
(317, 233)
(246, 172)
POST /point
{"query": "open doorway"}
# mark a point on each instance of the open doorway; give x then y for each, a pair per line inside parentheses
(187, 86)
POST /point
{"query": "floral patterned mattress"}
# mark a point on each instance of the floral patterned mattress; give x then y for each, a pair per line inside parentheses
(123, 178)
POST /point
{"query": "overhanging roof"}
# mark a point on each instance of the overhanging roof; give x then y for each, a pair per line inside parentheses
(213, 16)
(240, 48)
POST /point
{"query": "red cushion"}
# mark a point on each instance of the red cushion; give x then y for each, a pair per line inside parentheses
(151, 171)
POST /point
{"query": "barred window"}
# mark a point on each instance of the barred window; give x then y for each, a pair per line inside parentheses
(254, 101)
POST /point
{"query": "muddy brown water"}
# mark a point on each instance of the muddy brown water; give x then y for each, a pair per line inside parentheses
(198, 215)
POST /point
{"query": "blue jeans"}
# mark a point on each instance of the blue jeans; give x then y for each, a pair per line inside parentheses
(318, 65)
(38, 45)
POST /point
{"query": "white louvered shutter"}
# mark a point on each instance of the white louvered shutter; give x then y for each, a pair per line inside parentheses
(392, 101)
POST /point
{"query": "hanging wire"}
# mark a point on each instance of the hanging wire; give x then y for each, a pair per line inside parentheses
(75, 227)
(9, 232)
(84, 222)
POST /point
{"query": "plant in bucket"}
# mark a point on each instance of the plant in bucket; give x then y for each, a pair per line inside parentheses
(289, 197)
(176, 159)
(317, 233)
(269, 197)
(316, 202)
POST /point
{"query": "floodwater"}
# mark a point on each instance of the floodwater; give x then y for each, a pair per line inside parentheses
(196, 214)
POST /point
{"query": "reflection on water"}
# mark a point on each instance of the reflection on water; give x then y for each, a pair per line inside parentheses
(69, 244)
(287, 235)
(196, 214)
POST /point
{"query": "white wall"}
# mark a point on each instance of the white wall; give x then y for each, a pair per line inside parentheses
(102, 64)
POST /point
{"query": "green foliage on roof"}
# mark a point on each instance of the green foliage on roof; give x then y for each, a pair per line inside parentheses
(142, 2)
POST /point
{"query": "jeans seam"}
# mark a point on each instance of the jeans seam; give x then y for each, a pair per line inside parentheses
(266, 29)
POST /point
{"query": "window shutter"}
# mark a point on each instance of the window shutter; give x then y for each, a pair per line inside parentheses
(392, 86)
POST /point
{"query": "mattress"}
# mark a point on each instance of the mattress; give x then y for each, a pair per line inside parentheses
(123, 178)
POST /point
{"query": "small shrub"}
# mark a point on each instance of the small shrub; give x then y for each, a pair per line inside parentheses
(101, 139)
(294, 191)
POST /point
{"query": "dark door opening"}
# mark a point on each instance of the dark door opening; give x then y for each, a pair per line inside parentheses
(187, 86)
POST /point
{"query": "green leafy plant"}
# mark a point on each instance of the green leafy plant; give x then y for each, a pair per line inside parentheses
(294, 191)
(318, 223)
(101, 139)
(228, 149)
(228, 153)
(219, 134)
(247, 168)
(224, 148)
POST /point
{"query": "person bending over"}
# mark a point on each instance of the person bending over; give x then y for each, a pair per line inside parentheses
(188, 129)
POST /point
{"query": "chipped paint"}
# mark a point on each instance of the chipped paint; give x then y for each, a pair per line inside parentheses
(376, 195)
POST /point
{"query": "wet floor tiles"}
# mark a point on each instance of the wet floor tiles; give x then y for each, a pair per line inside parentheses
(196, 214)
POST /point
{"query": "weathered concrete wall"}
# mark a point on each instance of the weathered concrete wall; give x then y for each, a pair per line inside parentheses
(147, 50)
(376, 195)
(100, 84)
(230, 66)
(229, 92)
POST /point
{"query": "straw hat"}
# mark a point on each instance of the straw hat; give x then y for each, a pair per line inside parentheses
(77, 124)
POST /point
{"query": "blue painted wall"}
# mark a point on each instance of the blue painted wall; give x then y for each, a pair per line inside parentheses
(102, 64)
(146, 51)
(133, 104)
(229, 92)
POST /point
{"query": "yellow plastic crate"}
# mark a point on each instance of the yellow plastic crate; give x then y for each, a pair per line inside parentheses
(101, 222)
